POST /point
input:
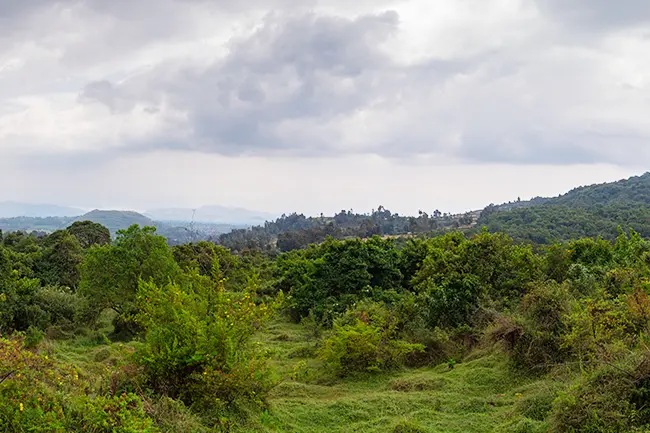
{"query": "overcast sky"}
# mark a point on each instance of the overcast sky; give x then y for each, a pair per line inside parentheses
(315, 106)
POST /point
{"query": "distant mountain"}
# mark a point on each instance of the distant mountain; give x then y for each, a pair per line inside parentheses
(212, 214)
(587, 211)
(116, 220)
(11, 209)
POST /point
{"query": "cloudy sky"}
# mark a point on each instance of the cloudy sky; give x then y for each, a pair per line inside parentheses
(309, 105)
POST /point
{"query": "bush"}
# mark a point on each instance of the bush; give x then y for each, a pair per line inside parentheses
(451, 303)
(603, 329)
(408, 427)
(40, 395)
(33, 337)
(535, 339)
(613, 399)
(119, 414)
(62, 305)
(197, 343)
(365, 340)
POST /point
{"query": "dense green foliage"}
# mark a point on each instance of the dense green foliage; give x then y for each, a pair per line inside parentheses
(110, 274)
(461, 332)
(296, 231)
(190, 314)
(591, 211)
(196, 342)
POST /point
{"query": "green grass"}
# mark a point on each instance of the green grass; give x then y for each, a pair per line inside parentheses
(482, 395)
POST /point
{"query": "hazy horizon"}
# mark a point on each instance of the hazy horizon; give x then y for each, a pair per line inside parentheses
(599, 179)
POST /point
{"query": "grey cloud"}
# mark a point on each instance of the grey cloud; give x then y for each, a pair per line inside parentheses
(598, 14)
(309, 83)
(288, 88)
(12, 9)
(99, 91)
(289, 70)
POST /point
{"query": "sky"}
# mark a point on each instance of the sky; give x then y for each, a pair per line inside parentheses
(317, 106)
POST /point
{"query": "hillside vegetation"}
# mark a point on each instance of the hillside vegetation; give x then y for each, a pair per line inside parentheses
(447, 331)
(296, 231)
(589, 211)
(452, 333)
(596, 210)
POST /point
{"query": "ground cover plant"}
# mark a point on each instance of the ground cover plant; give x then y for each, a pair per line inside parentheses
(449, 333)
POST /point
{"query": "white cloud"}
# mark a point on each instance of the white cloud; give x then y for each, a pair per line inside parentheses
(413, 82)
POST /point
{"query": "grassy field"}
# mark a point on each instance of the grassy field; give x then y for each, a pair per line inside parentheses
(476, 396)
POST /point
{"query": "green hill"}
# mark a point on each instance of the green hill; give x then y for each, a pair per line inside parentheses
(116, 220)
(594, 210)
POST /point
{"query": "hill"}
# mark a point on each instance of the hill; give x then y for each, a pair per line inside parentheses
(116, 220)
(594, 210)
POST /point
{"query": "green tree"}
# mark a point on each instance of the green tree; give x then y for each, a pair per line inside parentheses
(110, 273)
(5, 265)
(203, 256)
(89, 233)
(60, 260)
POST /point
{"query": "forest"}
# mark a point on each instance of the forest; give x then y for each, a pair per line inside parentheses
(589, 211)
(296, 231)
(450, 332)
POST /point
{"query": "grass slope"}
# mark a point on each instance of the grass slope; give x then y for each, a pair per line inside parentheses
(477, 396)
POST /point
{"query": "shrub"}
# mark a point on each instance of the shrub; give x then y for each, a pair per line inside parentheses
(33, 337)
(327, 279)
(19, 310)
(602, 329)
(408, 427)
(197, 342)
(543, 311)
(119, 414)
(62, 305)
(612, 399)
(365, 340)
(40, 395)
(451, 303)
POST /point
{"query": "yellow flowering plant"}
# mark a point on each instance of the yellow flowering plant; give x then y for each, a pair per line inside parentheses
(197, 341)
